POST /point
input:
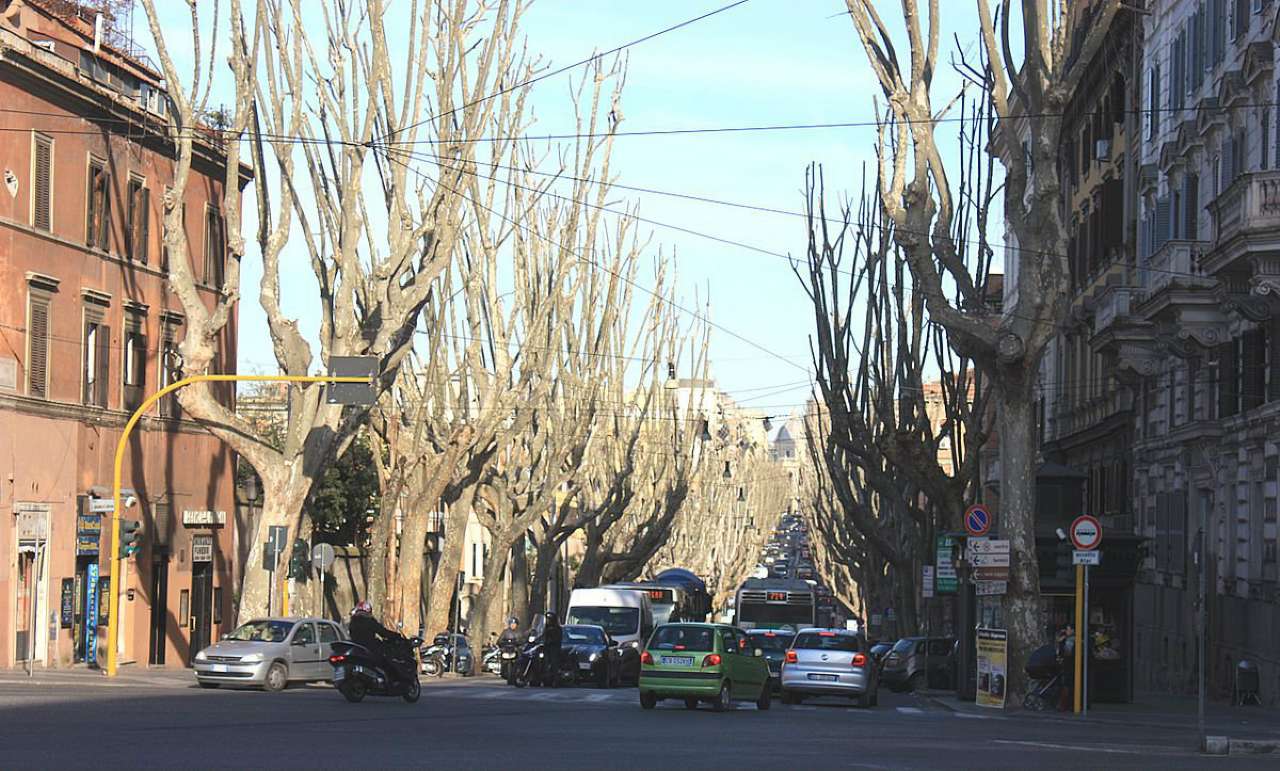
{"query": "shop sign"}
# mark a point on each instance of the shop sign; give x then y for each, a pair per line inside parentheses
(993, 655)
(202, 548)
(91, 615)
(945, 581)
(194, 518)
(68, 602)
(88, 534)
(34, 525)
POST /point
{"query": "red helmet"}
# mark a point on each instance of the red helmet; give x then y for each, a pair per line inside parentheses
(364, 607)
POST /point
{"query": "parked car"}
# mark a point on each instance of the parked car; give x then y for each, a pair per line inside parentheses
(830, 662)
(879, 651)
(270, 653)
(916, 663)
(774, 643)
(594, 654)
(703, 663)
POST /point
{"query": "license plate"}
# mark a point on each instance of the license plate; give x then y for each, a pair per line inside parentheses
(678, 661)
(339, 673)
(219, 667)
(825, 678)
(508, 655)
(583, 665)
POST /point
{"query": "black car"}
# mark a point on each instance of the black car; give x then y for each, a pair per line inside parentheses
(594, 654)
(774, 644)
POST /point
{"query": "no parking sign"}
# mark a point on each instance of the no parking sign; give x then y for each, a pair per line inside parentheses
(977, 520)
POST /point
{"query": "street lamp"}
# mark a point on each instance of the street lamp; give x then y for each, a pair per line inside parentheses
(671, 384)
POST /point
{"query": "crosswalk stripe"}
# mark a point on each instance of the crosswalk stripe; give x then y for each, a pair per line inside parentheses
(911, 710)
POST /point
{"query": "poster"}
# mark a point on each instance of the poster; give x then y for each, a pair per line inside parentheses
(993, 654)
(68, 602)
(91, 615)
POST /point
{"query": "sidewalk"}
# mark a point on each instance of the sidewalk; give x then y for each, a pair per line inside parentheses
(128, 676)
(1248, 729)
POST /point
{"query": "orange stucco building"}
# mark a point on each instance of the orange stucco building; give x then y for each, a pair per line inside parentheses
(88, 328)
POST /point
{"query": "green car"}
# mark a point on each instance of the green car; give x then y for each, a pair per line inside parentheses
(702, 662)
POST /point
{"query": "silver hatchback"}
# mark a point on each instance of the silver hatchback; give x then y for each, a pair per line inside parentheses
(829, 662)
(270, 652)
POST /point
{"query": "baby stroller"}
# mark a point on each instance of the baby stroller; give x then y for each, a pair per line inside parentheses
(1044, 671)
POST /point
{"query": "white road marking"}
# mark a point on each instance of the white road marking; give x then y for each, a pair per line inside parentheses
(970, 716)
(911, 710)
(1080, 748)
(600, 697)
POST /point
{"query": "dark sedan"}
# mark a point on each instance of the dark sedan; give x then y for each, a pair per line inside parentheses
(595, 655)
(774, 644)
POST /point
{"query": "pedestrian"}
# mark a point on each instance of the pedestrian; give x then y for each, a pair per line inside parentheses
(552, 637)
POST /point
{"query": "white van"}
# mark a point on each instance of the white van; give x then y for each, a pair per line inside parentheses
(626, 614)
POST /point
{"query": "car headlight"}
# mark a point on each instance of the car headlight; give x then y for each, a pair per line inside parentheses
(252, 658)
(201, 656)
(633, 644)
(593, 657)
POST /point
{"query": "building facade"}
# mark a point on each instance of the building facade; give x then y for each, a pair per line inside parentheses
(1163, 393)
(88, 329)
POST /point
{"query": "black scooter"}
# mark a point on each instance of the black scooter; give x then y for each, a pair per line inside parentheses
(508, 653)
(358, 673)
(531, 667)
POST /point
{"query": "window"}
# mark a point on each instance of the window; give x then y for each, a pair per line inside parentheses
(217, 605)
(1253, 365)
(329, 633)
(98, 216)
(184, 608)
(1240, 20)
(135, 359)
(139, 220)
(95, 362)
(38, 344)
(42, 184)
(1153, 103)
(215, 248)
(170, 365)
(305, 635)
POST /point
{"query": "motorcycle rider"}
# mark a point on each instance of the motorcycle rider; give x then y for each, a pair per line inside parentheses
(367, 632)
(552, 636)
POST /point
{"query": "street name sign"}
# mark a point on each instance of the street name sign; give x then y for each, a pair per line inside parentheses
(1086, 532)
(1086, 557)
(102, 505)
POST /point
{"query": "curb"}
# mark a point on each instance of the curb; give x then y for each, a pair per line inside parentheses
(1253, 746)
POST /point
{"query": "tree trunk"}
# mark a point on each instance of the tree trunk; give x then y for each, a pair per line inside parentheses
(479, 620)
(280, 505)
(378, 576)
(543, 569)
(1017, 523)
(439, 603)
(519, 581)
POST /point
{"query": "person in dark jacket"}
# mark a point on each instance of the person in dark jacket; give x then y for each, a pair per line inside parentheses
(510, 635)
(552, 637)
(366, 631)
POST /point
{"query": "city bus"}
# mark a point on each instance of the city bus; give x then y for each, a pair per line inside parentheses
(772, 603)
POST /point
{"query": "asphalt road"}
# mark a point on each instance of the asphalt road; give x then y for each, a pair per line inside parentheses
(481, 723)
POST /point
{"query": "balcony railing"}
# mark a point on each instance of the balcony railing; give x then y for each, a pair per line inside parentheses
(1081, 416)
(1173, 260)
(1250, 203)
(1113, 305)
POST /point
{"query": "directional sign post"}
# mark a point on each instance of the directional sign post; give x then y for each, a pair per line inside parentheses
(352, 393)
(1086, 534)
(322, 557)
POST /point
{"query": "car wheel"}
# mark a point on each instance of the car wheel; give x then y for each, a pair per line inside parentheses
(862, 701)
(277, 677)
(766, 697)
(723, 699)
(691, 702)
(205, 684)
(413, 692)
(353, 690)
(648, 700)
(602, 679)
(917, 682)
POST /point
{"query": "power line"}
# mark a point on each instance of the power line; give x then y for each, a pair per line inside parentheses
(605, 268)
(567, 67)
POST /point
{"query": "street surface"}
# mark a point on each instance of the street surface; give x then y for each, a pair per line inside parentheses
(165, 721)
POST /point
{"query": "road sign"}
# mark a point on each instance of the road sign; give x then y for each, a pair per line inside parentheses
(989, 545)
(1086, 532)
(991, 588)
(926, 581)
(977, 520)
(322, 556)
(102, 505)
(352, 393)
(990, 559)
(945, 581)
(1086, 557)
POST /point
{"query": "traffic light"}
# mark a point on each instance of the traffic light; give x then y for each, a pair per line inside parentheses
(130, 538)
(298, 560)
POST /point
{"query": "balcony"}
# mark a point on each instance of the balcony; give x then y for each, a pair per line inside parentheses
(1078, 417)
(1176, 261)
(1246, 219)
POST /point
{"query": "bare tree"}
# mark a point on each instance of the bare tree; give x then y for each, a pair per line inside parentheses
(1027, 99)
(315, 106)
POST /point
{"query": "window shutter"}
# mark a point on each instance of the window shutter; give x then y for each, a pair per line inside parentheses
(38, 345)
(1219, 30)
(1163, 222)
(1191, 206)
(1228, 164)
(1273, 341)
(104, 364)
(1227, 379)
(42, 185)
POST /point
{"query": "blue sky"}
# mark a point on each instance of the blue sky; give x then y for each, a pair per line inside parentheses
(767, 62)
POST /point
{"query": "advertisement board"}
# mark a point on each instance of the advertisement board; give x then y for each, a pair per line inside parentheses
(993, 655)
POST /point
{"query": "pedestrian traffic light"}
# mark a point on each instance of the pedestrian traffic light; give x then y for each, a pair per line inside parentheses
(130, 538)
(298, 560)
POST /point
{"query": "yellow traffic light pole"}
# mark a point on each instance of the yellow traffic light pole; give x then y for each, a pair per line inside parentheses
(113, 598)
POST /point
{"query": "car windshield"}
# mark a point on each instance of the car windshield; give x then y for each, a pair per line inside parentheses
(903, 645)
(616, 621)
(771, 641)
(584, 634)
(683, 638)
(262, 631)
(827, 641)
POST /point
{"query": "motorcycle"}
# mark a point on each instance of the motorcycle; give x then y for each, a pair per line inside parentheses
(508, 652)
(492, 661)
(357, 672)
(531, 667)
(444, 655)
